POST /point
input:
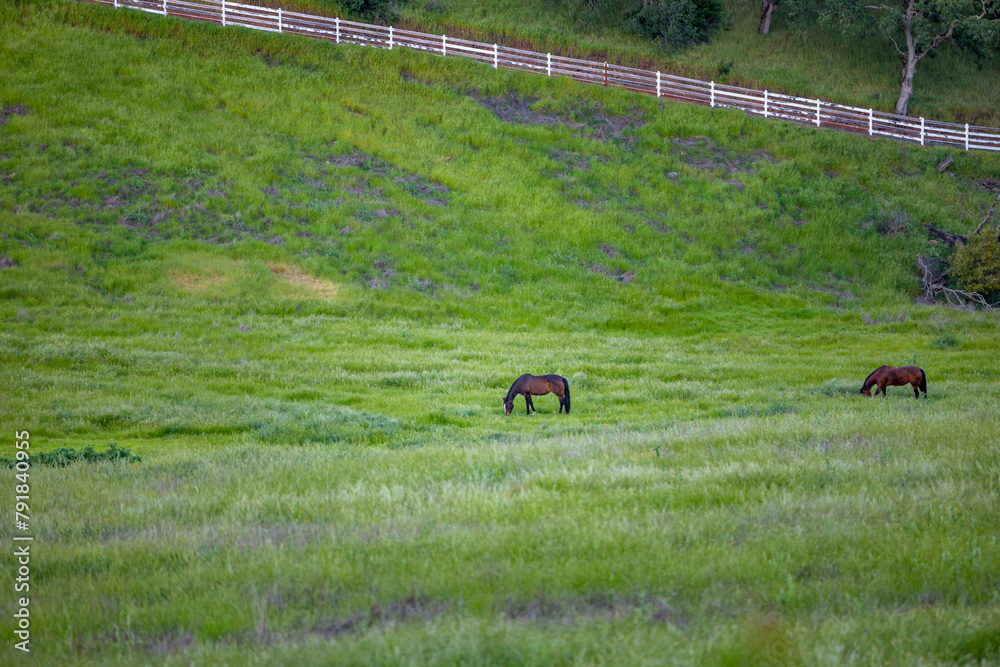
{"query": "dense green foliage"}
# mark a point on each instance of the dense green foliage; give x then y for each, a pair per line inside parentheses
(64, 456)
(297, 279)
(676, 24)
(385, 11)
(976, 265)
(673, 24)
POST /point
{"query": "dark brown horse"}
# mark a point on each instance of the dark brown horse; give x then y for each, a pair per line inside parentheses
(885, 376)
(537, 385)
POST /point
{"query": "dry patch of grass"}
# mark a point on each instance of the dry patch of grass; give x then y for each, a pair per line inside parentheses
(301, 282)
(199, 282)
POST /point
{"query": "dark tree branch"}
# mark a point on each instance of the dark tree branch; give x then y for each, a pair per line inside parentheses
(947, 237)
(933, 284)
(988, 214)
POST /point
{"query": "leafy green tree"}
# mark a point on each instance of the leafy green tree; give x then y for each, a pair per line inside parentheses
(375, 10)
(976, 265)
(917, 27)
(676, 23)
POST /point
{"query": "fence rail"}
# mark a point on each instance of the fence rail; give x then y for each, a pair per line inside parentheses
(768, 104)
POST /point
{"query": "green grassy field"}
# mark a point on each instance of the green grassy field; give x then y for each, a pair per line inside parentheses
(297, 279)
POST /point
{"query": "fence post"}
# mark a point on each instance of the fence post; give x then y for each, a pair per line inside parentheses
(444, 45)
(548, 64)
(338, 30)
(116, 4)
(870, 122)
(605, 74)
(711, 99)
(657, 83)
(390, 38)
(223, 13)
(165, 7)
(765, 103)
(279, 20)
(921, 130)
(496, 57)
(966, 136)
(817, 113)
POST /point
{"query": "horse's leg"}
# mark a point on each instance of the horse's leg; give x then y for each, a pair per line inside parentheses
(916, 390)
(533, 410)
(881, 387)
(527, 404)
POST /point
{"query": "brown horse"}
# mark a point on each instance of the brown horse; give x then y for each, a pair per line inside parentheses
(885, 376)
(537, 385)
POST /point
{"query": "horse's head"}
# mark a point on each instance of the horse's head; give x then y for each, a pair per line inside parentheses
(508, 406)
(866, 392)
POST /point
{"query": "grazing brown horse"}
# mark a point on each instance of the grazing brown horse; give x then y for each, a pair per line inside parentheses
(537, 385)
(885, 376)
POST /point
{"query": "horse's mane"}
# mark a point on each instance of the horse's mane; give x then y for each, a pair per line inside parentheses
(865, 383)
(511, 390)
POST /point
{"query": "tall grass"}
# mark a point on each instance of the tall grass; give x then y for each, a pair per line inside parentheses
(297, 279)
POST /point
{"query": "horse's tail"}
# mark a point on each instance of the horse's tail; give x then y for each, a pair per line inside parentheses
(566, 389)
(923, 381)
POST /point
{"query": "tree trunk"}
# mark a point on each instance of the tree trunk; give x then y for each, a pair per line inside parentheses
(906, 90)
(766, 10)
(909, 62)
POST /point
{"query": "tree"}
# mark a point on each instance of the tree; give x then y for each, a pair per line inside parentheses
(676, 23)
(799, 13)
(766, 10)
(385, 11)
(976, 265)
(917, 27)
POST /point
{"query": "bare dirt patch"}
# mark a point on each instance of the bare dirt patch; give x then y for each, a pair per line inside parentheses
(589, 118)
(546, 611)
(624, 278)
(383, 274)
(408, 610)
(571, 160)
(703, 153)
(655, 221)
(888, 222)
(610, 251)
(423, 189)
(6, 113)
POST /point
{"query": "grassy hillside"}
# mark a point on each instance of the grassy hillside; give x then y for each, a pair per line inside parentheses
(813, 62)
(297, 279)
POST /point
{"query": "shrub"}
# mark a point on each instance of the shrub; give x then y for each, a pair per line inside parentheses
(63, 456)
(676, 23)
(976, 265)
(375, 10)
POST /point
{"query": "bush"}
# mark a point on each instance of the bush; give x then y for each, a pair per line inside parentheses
(385, 11)
(676, 23)
(976, 265)
(63, 456)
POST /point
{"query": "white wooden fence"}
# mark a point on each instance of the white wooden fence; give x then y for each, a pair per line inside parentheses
(765, 103)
